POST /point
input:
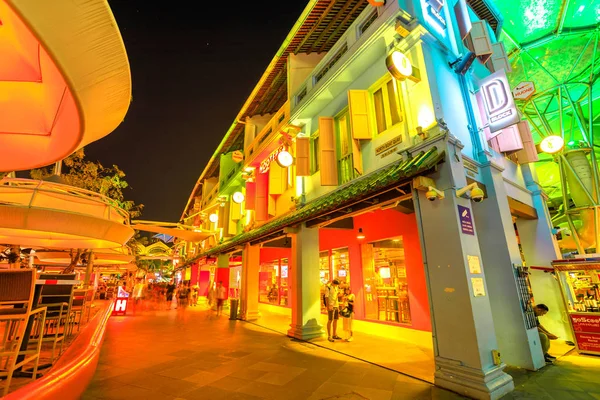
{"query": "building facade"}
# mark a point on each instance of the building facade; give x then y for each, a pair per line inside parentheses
(382, 148)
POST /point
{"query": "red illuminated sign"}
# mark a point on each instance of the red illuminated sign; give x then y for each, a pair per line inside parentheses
(266, 163)
(586, 323)
(588, 342)
(120, 306)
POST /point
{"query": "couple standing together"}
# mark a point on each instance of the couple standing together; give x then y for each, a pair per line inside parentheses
(332, 301)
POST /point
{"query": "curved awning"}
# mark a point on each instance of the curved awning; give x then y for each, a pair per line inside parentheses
(187, 235)
(50, 215)
(64, 79)
(104, 257)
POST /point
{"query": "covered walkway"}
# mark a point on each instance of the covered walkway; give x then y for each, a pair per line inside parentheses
(192, 354)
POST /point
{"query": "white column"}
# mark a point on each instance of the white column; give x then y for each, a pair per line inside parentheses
(250, 272)
(518, 345)
(462, 323)
(540, 249)
(304, 274)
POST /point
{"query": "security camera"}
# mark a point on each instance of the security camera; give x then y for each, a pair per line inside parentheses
(477, 195)
(432, 194)
(471, 191)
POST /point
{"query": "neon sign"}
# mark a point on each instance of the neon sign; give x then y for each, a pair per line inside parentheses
(266, 163)
(499, 103)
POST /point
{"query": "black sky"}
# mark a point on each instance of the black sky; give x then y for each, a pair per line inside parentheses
(192, 69)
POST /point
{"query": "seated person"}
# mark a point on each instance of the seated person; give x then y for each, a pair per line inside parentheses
(545, 336)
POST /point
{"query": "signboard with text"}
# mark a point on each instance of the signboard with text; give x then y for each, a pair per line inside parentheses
(120, 306)
(587, 332)
(499, 103)
(466, 220)
(523, 90)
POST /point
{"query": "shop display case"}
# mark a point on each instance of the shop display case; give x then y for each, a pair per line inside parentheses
(579, 281)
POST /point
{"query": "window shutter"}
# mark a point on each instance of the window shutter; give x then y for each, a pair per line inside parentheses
(235, 210)
(262, 190)
(529, 152)
(329, 171)
(357, 157)
(302, 156)
(272, 203)
(233, 226)
(479, 42)
(250, 195)
(499, 60)
(276, 181)
(358, 102)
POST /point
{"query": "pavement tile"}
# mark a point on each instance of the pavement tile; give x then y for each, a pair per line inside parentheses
(208, 392)
(245, 361)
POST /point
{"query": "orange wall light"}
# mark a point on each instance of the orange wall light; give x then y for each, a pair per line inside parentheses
(64, 79)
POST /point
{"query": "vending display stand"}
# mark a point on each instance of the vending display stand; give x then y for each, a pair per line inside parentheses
(579, 281)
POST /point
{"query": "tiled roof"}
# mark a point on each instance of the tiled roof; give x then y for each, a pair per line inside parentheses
(391, 176)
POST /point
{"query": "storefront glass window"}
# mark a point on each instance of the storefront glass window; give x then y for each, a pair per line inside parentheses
(324, 267)
(386, 287)
(273, 283)
(340, 265)
(284, 283)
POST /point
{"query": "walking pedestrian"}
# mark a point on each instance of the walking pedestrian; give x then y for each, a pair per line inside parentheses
(221, 294)
(169, 295)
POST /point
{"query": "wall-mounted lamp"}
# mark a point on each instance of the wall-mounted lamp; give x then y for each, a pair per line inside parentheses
(238, 197)
(213, 218)
(552, 144)
(285, 159)
(462, 64)
(399, 65)
(360, 235)
(422, 134)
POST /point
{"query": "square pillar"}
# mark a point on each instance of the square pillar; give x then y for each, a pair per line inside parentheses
(222, 275)
(304, 285)
(518, 345)
(540, 249)
(462, 323)
(250, 272)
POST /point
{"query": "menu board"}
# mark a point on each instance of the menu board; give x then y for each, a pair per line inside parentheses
(587, 332)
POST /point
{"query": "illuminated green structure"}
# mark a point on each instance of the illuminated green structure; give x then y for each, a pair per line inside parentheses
(554, 44)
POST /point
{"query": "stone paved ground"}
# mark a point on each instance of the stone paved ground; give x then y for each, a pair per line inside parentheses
(193, 355)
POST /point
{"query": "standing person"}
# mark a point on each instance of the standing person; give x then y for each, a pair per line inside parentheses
(348, 313)
(545, 336)
(333, 309)
(195, 290)
(170, 291)
(221, 293)
(183, 295)
(210, 297)
(138, 293)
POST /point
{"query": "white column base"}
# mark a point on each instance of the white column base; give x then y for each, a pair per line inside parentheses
(311, 330)
(471, 382)
(251, 316)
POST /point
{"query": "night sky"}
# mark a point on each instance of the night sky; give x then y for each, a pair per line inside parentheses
(192, 69)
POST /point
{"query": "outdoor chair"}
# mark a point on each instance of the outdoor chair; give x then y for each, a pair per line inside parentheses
(17, 289)
(58, 300)
(78, 308)
(89, 300)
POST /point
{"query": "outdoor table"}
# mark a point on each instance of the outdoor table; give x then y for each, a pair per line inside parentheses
(39, 283)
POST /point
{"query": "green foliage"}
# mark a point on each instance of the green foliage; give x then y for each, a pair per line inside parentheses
(93, 176)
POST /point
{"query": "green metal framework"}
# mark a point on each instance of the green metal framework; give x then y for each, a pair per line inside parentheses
(555, 44)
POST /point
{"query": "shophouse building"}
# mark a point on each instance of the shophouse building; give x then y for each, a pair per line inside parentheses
(382, 148)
